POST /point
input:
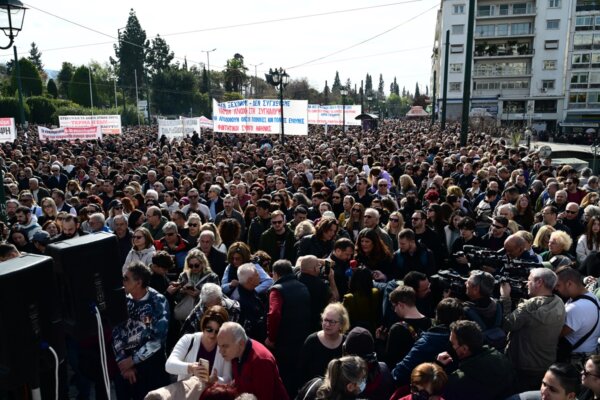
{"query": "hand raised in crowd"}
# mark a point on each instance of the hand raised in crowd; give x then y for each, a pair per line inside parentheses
(444, 358)
(505, 289)
(234, 283)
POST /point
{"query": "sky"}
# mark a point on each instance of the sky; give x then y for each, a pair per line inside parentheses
(393, 38)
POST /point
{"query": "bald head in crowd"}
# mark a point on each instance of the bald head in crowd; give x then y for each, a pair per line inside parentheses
(515, 245)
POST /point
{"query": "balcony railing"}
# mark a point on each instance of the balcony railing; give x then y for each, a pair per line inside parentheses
(500, 73)
(503, 51)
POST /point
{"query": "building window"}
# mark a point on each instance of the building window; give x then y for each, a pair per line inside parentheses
(548, 84)
(502, 30)
(551, 44)
(485, 30)
(519, 8)
(582, 41)
(458, 9)
(455, 67)
(523, 28)
(545, 106)
(580, 60)
(455, 86)
(552, 23)
(554, 3)
(503, 9)
(549, 65)
(485, 11)
(458, 29)
(456, 48)
(584, 23)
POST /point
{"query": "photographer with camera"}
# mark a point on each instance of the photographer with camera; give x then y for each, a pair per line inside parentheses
(533, 327)
(319, 278)
(482, 309)
(494, 239)
(458, 260)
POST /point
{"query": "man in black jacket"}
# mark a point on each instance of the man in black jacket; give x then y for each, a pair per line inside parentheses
(287, 321)
(278, 241)
(216, 259)
(321, 293)
(259, 224)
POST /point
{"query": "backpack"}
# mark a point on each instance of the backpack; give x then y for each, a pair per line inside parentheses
(493, 336)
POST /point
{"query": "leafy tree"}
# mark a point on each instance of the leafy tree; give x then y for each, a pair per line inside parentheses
(52, 89)
(417, 91)
(31, 81)
(41, 109)
(159, 55)
(394, 88)
(231, 96)
(420, 100)
(35, 56)
(130, 54)
(9, 107)
(79, 88)
(426, 90)
(235, 74)
(380, 88)
(173, 91)
(64, 79)
(299, 89)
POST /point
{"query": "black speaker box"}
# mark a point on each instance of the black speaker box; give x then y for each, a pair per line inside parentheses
(89, 275)
(29, 319)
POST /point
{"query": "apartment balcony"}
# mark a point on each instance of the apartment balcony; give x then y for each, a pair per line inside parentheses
(509, 15)
(509, 50)
(519, 34)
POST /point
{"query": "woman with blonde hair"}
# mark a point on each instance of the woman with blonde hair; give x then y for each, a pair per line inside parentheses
(540, 242)
(406, 183)
(49, 210)
(356, 222)
(142, 249)
(325, 345)
(559, 244)
(394, 226)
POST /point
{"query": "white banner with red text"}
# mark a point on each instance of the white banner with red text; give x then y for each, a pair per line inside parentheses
(8, 130)
(260, 116)
(109, 124)
(70, 134)
(332, 115)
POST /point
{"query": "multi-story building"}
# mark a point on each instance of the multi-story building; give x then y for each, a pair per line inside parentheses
(518, 59)
(582, 103)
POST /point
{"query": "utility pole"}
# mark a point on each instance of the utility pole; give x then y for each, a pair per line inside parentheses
(136, 97)
(464, 129)
(434, 101)
(90, 80)
(208, 75)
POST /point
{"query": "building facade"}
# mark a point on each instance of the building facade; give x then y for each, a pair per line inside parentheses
(518, 70)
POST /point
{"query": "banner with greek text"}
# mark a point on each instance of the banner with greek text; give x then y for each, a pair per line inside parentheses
(8, 130)
(70, 134)
(332, 115)
(205, 122)
(261, 116)
(178, 129)
(109, 124)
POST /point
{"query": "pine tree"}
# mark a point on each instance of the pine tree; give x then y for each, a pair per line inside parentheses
(79, 89)
(403, 91)
(36, 57)
(130, 54)
(426, 90)
(326, 93)
(368, 85)
(337, 84)
(204, 81)
(380, 89)
(64, 79)
(417, 91)
(31, 82)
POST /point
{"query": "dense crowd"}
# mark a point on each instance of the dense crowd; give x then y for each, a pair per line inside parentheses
(384, 263)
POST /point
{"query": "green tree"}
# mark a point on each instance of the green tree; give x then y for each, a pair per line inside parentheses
(36, 57)
(380, 88)
(64, 79)
(175, 91)
(394, 88)
(9, 107)
(417, 91)
(368, 85)
(235, 74)
(31, 81)
(337, 84)
(104, 83)
(52, 89)
(130, 55)
(204, 81)
(41, 109)
(79, 88)
(159, 55)
(326, 94)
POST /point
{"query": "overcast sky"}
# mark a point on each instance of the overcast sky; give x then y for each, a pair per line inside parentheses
(402, 49)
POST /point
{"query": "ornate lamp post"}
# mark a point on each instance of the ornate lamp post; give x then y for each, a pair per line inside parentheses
(12, 15)
(279, 79)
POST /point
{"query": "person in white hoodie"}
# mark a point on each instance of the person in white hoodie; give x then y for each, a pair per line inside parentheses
(142, 248)
(197, 354)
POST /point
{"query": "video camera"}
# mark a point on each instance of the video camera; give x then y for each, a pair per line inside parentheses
(451, 280)
(481, 256)
(516, 273)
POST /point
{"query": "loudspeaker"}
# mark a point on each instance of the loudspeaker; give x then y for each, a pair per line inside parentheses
(89, 275)
(29, 319)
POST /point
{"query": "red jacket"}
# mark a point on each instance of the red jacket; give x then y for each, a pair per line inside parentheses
(256, 372)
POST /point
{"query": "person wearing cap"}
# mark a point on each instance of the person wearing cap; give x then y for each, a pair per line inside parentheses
(380, 384)
(40, 240)
(494, 239)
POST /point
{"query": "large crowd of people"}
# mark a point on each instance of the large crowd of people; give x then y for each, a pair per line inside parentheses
(377, 264)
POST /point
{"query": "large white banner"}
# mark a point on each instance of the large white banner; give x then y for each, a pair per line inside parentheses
(178, 128)
(332, 115)
(261, 116)
(205, 122)
(109, 124)
(8, 130)
(70, 134)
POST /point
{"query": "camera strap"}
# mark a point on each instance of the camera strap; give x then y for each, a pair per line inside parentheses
(587, 335)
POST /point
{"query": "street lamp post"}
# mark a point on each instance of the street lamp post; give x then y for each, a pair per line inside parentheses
(344, 93)
(279, 79)
(12, 15)
(208, 75)
(255, 78)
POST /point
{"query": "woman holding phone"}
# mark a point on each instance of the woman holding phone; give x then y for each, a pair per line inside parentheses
(197, 353)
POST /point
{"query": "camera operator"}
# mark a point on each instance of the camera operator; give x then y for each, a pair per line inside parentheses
(533, 327)
(516, 249)
(458, 260)
(481, 307)
(494, 239)
(320, 282)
